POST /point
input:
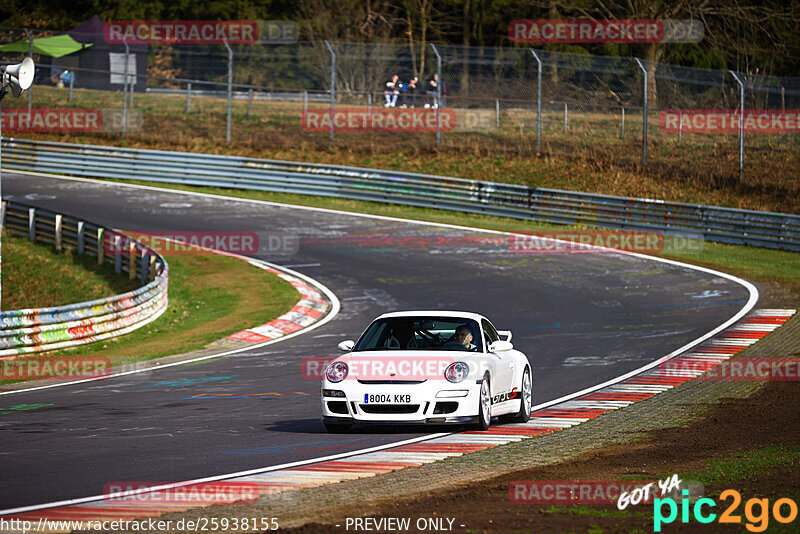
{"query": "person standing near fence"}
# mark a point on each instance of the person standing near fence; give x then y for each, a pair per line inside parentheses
(432, 92)
(392, 91)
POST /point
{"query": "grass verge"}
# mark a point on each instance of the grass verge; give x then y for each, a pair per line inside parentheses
(37, 276)
(210, 297)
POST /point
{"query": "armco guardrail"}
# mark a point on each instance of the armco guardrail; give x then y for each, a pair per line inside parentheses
(726, 225)
(45, 329)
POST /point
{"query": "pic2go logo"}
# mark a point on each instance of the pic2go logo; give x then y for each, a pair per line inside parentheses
(757, 520)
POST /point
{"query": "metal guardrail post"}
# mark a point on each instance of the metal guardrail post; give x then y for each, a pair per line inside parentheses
(81, 238)
(117, 254)
(538, 101)
(438, 97)
(230, 91)
(132, 256)
(59, 223)
(125, 92)
(32, 225)
(644, 113)
(101, 249)
(741, 125)
(30, 54)
(333, 86)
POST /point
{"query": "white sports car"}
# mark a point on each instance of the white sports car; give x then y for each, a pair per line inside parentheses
(427, 367)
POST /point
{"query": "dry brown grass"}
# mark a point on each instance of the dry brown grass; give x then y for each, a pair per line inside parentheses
(589, 157)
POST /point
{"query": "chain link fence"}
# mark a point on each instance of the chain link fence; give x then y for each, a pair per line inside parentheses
(466, 99)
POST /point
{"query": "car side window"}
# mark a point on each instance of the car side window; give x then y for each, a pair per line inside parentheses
(489, 333)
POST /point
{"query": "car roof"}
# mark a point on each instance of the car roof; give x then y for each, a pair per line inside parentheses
(434, 313)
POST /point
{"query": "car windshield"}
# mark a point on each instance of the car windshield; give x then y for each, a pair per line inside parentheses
(421, 333)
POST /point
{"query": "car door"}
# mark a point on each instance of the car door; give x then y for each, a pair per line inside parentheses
(504, 363)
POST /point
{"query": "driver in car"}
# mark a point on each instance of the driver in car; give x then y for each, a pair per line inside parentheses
(462, 339)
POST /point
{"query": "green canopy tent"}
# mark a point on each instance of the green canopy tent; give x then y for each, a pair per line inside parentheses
(56, 46)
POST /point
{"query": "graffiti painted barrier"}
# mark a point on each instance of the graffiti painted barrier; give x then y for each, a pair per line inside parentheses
(45, 329)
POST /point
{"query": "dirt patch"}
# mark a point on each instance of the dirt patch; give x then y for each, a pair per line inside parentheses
(734, 426)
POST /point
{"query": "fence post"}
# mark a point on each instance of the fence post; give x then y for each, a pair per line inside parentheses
(249, 102)
(117, 254)
(622, 128)
(81, 238)
(741, 125)
(230, 91)
(644, 113)
(58, 226)
(438, 97)
(369, 104)
(132, 87)
(132, 256)
(144, 270)
(565, 117)
(497, 113)
(71, 83)
(333, 86)
(30, 54)
(32, 225)
(538, 102)
(125, 92)
(101, 236)
(305, 102)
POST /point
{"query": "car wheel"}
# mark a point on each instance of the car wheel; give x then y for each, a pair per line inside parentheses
(337, 428)
(526, 395)
(485, 404)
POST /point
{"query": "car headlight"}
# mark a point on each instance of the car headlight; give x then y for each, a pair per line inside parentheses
(336, 372)
(456, 372)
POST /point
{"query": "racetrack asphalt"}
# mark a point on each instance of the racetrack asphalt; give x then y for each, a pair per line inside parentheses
(582, 319)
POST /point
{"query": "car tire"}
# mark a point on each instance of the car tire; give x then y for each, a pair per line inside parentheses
(526, 395)
(485, 404)
(337, 428)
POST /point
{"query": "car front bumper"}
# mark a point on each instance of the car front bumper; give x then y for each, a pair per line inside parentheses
(431, 401)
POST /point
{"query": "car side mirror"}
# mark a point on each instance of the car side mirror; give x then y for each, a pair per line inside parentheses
(505, 334)
(347, 345)
(500, 346)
